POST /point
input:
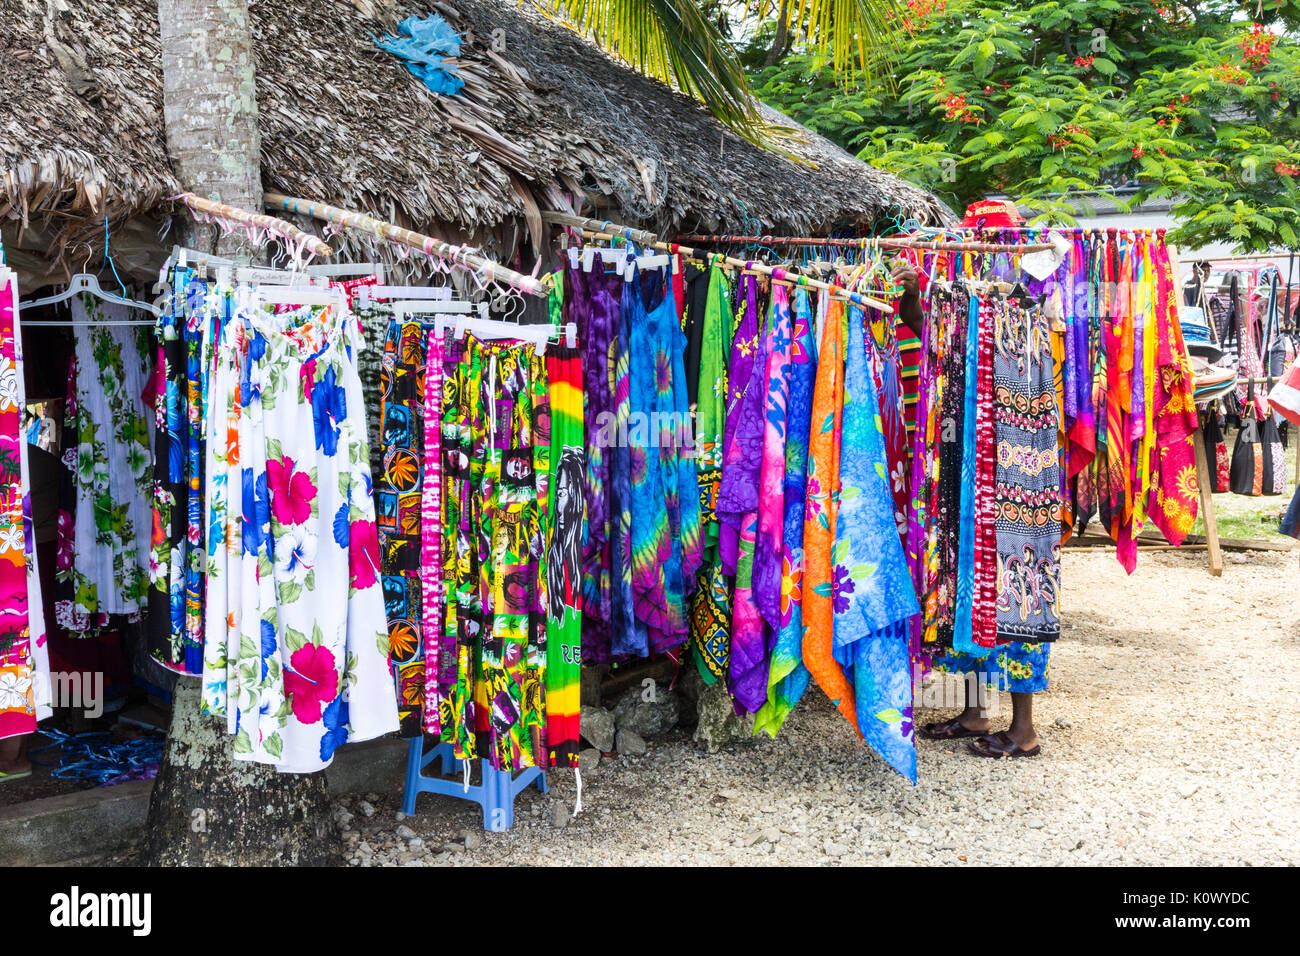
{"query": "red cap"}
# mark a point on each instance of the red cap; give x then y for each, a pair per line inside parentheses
(991, 213)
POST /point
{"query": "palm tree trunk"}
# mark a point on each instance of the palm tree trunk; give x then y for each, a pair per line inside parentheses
(207, 808)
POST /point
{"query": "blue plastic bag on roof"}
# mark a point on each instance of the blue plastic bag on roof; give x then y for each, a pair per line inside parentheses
(423, 42)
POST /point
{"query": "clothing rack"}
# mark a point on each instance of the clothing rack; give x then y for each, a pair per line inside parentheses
(285, 230)
(598, 229)
(887, 242)
(456, 255)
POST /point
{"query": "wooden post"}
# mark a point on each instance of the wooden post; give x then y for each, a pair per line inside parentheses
(1207, 505)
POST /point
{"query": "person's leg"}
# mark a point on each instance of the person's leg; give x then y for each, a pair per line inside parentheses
(1022, 730)
(1024, 671)
(13, 755)
(974, 718)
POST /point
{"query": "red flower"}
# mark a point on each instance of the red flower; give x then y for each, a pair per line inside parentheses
(363, 554)
(291, 492)
(310, 680)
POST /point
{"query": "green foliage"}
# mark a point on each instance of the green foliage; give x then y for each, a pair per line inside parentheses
(1051, 102)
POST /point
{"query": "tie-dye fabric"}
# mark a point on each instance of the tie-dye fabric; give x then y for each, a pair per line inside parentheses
(742, 447)
(594, 305)
(886, 371)
(656, 552)
(627, 631)
(870, 573)
(787, 676)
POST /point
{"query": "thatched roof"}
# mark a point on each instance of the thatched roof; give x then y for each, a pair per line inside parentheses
(550, 117)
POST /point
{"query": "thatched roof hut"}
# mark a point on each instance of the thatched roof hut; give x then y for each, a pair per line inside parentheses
(543, 124)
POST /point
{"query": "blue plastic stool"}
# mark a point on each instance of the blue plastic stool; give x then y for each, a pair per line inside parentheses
(496, 794)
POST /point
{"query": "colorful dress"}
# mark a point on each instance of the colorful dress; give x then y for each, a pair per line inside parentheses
(787, 677)
(24, 657)
(821, 597)
(874, 597)
(111, 465)
(711, 602)
(738, 502)
(1028, 480)
(399, 508)
(301, 666)
(567, 509)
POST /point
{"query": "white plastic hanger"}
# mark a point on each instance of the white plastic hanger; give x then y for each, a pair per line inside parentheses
(440, 307)
(336, 270)
(609, 256)
(255, 275)
(368, 293)
(85, 282)
(299, 295)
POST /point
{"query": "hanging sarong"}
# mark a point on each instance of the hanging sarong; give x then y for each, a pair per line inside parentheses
(398, 507)
(1028, 483)
(594, 304)
(787, 677)
(820, 598)
(738, 502)
(769, 542)
(567, 510)
(711, 602)
(871, 581)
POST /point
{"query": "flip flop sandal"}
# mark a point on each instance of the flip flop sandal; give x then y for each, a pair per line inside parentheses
(5, 777)
(1000, 745)
(949, 730)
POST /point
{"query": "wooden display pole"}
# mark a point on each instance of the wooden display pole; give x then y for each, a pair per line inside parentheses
(279, 227)
(462, 256)
(1207, 505)
(1204, 487)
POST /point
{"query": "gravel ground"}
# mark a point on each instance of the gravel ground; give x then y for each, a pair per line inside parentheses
(1169, 738)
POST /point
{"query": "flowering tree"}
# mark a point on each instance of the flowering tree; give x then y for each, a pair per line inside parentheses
(1053, 101)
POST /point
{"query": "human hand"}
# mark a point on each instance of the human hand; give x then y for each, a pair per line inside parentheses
(904, 275)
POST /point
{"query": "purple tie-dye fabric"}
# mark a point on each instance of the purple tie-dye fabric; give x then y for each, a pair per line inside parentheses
(594, 304)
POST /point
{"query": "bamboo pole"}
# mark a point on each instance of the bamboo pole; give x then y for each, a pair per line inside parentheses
(603, 229)
(271, 224)
(457, 255)
(888, 242)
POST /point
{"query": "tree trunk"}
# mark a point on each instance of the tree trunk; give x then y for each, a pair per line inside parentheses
(208, 808)
(782, 38)
(210, 101)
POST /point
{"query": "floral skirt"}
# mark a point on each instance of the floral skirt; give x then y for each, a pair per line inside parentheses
(1014, 667)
